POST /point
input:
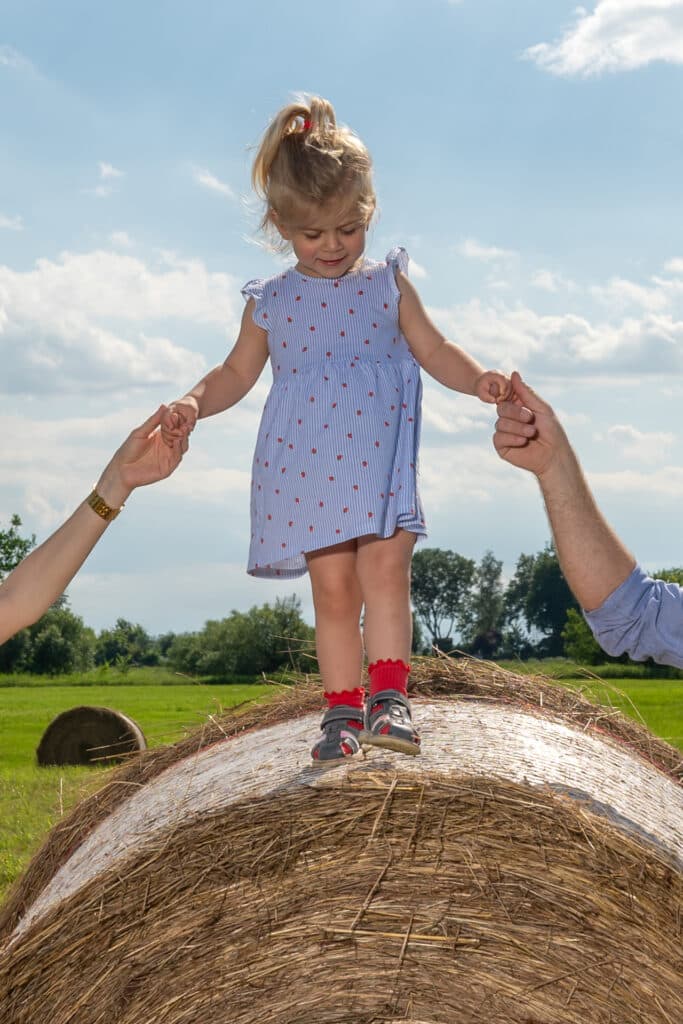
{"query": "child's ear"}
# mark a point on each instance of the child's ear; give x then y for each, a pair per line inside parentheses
(279, 226)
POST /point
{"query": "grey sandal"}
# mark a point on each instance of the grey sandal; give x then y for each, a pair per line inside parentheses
(388, 723)
(340, 740)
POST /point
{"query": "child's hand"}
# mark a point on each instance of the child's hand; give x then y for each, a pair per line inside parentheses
(492, 387)
(179, 420)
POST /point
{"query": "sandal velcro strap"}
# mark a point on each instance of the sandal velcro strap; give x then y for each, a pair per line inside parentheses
(395, 695)
(341, 713)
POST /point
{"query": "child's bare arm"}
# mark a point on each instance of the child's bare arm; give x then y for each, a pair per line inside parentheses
(446, 362)
(226, 384)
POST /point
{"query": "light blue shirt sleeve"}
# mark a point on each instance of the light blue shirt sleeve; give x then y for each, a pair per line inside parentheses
(642, 618)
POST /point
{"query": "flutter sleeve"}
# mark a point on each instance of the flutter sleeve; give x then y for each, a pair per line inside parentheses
(397, 259)
(642, 618)
(255, 290)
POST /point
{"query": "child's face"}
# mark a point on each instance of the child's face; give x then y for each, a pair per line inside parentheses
(328, 242)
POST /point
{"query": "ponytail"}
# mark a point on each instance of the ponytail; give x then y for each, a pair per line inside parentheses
(304, 157)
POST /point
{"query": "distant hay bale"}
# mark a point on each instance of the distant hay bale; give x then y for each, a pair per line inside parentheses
(526, 869)
(89, 735)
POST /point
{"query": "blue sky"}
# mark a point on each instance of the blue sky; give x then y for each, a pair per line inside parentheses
(528, 155)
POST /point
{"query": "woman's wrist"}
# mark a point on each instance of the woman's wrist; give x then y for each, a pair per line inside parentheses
(111, 488)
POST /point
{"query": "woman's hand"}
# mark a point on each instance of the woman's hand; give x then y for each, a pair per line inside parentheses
(143, 458)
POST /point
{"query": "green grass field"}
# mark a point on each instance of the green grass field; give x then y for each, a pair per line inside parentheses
(165, 706)
(656, 703)
(32, 799)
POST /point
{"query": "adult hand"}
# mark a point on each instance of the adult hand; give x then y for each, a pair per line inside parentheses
(179, 419)
(142, 459)
(528, 434)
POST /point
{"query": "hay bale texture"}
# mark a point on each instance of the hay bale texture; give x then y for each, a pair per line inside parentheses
(527, 868)
(89, 735)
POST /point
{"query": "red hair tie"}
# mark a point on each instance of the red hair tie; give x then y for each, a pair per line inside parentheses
(307, 125)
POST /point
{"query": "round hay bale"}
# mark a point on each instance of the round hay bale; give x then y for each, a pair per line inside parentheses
(526, 869)
(89, 735)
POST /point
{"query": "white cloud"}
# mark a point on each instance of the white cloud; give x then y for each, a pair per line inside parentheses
(209, 589)
(643, 447)
(93, 317)
(211, 182)
(121, 239)
(11, 223)
(450, 476)
(15, 61)
(674, 266)
(474, 250)
(417, 270)
(108, 174)
(109, 171)
(549, 281)
(618, 35)
(667, 481)
(517, 337)
(619, 293)
(449, 414)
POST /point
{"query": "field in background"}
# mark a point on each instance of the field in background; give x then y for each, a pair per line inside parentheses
(166, 706)
(32, 799)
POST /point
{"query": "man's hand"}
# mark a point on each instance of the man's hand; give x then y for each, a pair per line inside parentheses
(528, 434)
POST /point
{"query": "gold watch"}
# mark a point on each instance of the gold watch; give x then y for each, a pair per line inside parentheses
(99, 505)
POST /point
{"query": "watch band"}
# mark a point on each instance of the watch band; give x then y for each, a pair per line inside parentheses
(99, 505)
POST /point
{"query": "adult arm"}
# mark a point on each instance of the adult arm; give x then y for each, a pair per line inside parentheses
(44, 574)
(642, 618)
(528, 435)
(627, 611)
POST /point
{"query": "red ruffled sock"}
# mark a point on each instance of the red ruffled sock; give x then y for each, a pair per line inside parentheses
(351, 698)
(388, 675)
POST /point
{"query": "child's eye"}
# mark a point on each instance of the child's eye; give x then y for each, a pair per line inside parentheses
(350, 231)
(311, 236)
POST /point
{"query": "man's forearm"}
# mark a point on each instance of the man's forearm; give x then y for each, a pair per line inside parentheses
(593, 559)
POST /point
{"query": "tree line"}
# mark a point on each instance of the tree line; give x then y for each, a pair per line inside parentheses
(459, 605)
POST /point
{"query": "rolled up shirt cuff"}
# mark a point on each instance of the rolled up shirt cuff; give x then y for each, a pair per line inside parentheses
(643, 618)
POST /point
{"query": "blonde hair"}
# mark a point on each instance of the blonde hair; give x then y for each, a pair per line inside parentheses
(306, 158)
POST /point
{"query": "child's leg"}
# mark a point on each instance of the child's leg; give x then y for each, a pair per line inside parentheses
(338, 600)
(384, 572)
(383, 568)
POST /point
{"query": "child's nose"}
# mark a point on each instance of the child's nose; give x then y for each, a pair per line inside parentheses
(333, 241)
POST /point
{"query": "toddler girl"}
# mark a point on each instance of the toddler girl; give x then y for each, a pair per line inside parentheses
(334, 484)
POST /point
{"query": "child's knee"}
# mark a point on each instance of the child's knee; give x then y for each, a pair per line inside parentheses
(337, 596)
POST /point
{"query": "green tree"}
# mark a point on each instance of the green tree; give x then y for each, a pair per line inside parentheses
(579, 643)
(417, 645)
(57, 642)
(127, 643)
(539, 595)
(13, 547)
(264, 639)
(674, 575)
(482, 634)
(441, 586)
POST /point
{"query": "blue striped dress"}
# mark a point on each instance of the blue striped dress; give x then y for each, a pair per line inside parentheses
(336, 453)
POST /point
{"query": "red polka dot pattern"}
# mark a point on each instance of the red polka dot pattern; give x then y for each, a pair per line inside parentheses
(338, 443)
